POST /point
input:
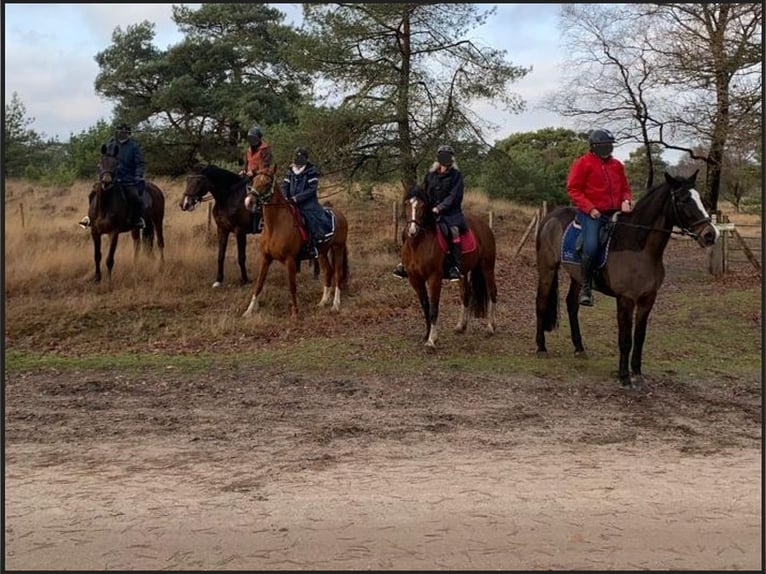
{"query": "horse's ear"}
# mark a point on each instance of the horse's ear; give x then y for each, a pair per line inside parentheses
(669, 179)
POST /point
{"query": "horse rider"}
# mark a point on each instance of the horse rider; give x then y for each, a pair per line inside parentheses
(300, 187)
(598, 187)
(130, 174)
(443, 183)
(259, 159)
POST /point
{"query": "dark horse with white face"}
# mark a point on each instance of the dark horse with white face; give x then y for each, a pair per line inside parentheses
(109, 214)
(633, 272)
(228, 190)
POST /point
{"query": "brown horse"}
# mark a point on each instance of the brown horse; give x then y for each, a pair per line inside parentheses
(109, 214)
(424, 258)
(633, 272)
(281, 240)
(228, 190)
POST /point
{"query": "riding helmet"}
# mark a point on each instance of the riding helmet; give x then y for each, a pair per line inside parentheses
(254, 135)
(601, 142)
(301, 156)
(445, 155)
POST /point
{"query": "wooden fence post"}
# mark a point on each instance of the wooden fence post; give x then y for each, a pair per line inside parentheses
(21, 211)
(209, 217)
(491, 219)
(395, 216)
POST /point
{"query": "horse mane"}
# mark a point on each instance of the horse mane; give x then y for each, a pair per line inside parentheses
(221, 176)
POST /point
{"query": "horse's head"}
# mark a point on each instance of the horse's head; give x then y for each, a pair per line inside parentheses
(688, 211)
(107, 167)
(260, 192)
(417, 208)
(197, 185)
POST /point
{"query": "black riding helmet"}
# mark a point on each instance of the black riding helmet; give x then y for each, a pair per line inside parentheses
(254, 136)
(301, 156)
(123, 131)
(445, 155)
(601, 142)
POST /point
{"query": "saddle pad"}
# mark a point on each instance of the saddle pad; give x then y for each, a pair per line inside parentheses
(467, 241)
(569, 251)
(327, 236)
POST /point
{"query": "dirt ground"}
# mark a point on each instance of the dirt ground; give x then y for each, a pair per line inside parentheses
(226, 470)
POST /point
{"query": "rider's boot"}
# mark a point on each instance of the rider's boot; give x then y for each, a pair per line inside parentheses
(400, 271)
(456, 254)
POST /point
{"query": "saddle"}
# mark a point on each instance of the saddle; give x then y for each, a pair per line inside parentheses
(467, 240)
(305, 252)
(571, 244)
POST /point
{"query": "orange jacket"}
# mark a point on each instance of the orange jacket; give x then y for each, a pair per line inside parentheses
(260, 161)
(595, 182)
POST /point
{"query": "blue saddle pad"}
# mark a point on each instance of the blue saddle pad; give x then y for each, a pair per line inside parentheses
(328, 229)
(569, 251)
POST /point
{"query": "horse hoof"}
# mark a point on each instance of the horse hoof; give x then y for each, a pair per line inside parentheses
(580, 355)
(217, 284)
(542, 354)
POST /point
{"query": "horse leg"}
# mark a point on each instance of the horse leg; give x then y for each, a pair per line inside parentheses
(339, 264)
(263, 270)
(115, 236)
(643, 309)
(465, 298)
(546, 303)
(434, 291)
(223, 240)
(160, 239)
(97, 255)
(292, 283)
(625, 308)
(420, 289)
(242, 257)
(573, 308)
(489, 276)
(327, 273)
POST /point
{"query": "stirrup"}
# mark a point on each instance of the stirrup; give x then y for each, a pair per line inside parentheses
(85, 222)
(140, 224)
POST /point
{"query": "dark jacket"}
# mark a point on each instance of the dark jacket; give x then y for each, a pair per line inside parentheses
(302, 188)
(446, 192)
(131, 161)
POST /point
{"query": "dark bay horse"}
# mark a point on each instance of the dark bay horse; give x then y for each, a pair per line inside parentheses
(633, 272)
(281, 241)
(109, 214)
(423, 257)
(228, 190)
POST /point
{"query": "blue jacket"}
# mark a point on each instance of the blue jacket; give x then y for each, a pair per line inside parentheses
(302, 189)
(446, 193)
(131, 161)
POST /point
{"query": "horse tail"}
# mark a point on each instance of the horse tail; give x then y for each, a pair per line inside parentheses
(548, 302)
(479, 293)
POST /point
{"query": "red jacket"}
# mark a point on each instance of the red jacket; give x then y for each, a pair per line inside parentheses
(595, 182)
(261, 161)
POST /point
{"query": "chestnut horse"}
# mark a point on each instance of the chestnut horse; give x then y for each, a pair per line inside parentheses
(424, 258)
(281, 240)
(109, 213)
(633, 271)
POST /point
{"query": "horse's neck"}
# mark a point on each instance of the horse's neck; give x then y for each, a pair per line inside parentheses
(650, 216)
(276, 208)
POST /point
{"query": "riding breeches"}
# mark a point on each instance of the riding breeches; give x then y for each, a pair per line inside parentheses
(591, 229)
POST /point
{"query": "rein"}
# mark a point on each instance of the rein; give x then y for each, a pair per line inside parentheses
(684, 229)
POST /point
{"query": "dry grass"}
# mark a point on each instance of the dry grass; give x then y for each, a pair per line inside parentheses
(53, 303)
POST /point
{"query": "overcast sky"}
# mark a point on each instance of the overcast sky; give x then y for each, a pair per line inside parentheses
(50, 48)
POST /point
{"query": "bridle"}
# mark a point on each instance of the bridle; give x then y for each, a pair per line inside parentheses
(685, 230)
(198, 197)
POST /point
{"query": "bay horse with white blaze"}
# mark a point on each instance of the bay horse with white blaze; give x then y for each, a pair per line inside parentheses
(109, 213)
(423, 254)
(633, 271)
(282, 240)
